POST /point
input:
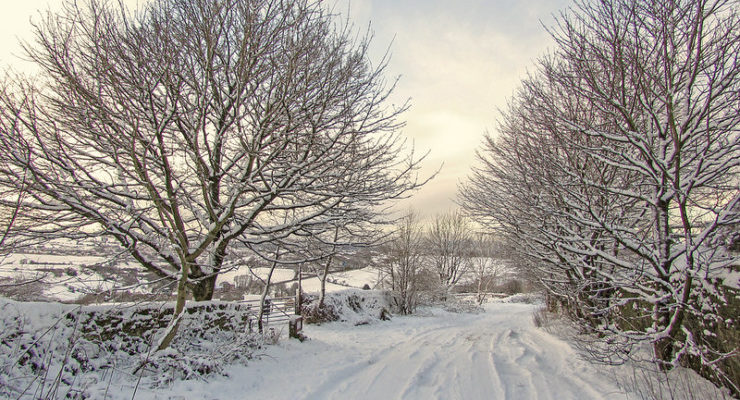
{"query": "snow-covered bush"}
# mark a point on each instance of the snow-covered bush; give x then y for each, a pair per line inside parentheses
(352, 305)
(461, 305)
(50, 350)
(527, 298)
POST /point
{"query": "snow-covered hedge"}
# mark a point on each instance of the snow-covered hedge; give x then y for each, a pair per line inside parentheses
(527, 298)
(355, 306)
(51, 350)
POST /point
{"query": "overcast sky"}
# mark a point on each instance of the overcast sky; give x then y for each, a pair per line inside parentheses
(458, 61)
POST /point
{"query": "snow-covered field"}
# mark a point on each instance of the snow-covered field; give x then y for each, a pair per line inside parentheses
(495, 354)
(337, 281)
(48, 276)
(67, 278)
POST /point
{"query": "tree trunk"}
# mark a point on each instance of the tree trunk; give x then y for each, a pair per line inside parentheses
(174, 324)
(204, 288)
(300, 289)
(265, 305)
(480, 291)
(324, 275)
(663, 348)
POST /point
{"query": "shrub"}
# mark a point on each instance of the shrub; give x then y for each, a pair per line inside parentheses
(64, 350)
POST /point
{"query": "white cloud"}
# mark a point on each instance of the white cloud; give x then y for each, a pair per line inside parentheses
(459, 65)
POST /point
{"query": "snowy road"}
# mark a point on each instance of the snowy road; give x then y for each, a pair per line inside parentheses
(498, 354)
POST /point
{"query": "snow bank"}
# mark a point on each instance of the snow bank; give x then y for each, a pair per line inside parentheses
(525, 298)
(355, 306)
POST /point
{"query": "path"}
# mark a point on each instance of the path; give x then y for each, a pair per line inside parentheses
(498, 354)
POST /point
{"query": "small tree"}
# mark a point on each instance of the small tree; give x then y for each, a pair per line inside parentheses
(404, 257)
(448, 241)
(486, 265)
(353, 229)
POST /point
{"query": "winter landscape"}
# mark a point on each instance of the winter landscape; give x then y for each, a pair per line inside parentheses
(226, 199)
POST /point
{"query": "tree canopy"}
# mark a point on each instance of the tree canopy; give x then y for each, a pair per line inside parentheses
(185, 126)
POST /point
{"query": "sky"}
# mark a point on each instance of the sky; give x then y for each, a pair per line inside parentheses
(458, 62)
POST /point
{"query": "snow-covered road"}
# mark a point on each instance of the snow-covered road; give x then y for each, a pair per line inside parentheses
(498, 354)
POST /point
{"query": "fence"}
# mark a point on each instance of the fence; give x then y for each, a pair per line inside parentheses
(274, 311)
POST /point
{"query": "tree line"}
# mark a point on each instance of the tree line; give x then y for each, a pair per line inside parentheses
(429, 260)
(615, 172)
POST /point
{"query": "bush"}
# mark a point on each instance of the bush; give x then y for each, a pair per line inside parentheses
(352, 305)
(313, 314)
(67, 350)
(461, 305)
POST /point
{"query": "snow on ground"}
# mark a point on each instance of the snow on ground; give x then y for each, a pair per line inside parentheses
(66, 277)
(279, 275)
(496, 354)
(337, 281)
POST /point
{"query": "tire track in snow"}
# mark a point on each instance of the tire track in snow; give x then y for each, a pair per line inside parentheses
(494, 355)
(404, 367)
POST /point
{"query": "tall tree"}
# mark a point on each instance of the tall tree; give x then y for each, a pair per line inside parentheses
(617, 166)
(188, 124)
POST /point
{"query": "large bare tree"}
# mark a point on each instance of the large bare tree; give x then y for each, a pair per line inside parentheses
(188, 124)
(617, 166)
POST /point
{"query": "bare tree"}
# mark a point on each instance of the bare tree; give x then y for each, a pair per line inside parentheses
(618, 164)
(486, 266)
(355, 231)
(328, 251)
(344, 230)
(188, 124)
(403, 264)
(448, 241)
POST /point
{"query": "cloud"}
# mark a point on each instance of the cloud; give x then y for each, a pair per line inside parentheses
(458, 63)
